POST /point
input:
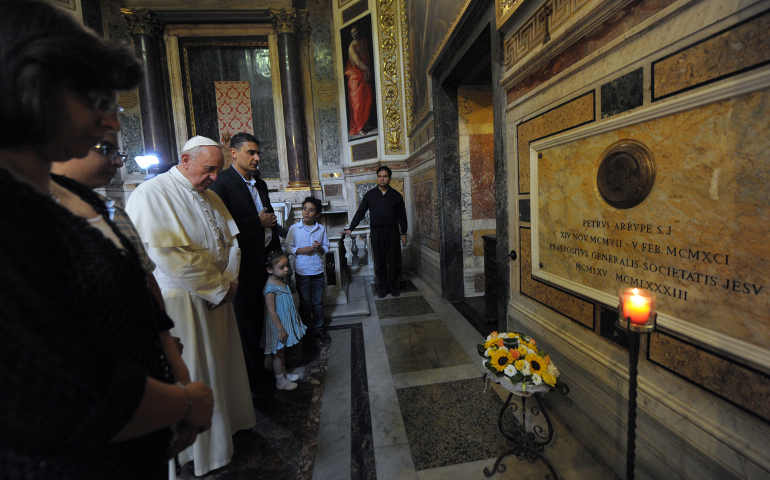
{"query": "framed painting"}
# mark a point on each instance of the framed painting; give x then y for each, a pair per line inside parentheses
(360, 91)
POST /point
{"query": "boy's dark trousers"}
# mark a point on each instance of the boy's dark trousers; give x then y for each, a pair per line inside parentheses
(311, 299)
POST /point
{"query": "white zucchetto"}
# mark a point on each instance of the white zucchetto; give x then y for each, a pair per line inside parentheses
(198, 141)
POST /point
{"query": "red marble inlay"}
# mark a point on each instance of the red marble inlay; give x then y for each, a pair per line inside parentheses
(482, 152)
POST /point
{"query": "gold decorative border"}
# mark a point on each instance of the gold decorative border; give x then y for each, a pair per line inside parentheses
(504, 9)
(390, 73)
(409, 101)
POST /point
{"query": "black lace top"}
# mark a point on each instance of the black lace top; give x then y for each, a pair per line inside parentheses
(78, 338)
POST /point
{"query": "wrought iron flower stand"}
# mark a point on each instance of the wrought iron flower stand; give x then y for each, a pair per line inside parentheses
(528, 443)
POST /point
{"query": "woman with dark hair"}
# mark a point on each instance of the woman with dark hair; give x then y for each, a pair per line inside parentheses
(86, 389)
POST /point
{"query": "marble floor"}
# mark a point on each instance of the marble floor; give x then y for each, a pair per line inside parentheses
(404, 399)
(398, 394)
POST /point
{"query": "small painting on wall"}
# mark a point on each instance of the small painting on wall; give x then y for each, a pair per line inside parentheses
(358, 62)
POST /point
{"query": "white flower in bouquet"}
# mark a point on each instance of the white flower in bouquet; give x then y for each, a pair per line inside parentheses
(510, 370)
(488, 352)
(536, 379)
(525, 371)
(553, 370)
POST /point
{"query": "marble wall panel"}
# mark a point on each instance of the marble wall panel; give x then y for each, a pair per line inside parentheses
(131, 140)
(478, 241)
(568, 115)
(738, 384)
(569, 305)
(477, 176)
(736, 49)
(700, 236)
(425, 212)
(622, 94)
(482, 164)
(324, 85)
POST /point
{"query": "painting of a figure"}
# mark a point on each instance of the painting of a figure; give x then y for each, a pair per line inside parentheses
(357, 58)
(429, 22)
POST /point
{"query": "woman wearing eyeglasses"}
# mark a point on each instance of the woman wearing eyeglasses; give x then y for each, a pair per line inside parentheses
(86, 390)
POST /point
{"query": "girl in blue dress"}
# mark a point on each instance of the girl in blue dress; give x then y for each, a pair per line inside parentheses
(284, 328)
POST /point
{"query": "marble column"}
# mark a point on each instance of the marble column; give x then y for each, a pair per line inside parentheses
(286, 22)
(146, 31)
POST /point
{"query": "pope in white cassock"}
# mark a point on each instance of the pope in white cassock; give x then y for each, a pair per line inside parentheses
(191, 237)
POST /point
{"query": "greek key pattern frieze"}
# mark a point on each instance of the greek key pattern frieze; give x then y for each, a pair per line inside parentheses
(390, 73)
(536, 31)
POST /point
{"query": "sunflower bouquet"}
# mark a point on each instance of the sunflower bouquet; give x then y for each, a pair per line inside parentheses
(513, 358)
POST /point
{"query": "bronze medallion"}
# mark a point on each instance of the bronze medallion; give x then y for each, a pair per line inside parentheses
(626, 174)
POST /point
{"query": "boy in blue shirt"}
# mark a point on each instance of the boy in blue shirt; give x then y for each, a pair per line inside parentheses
(309, 242)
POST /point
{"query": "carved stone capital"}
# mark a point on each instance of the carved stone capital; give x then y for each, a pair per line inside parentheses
(142, 22)
(285, 20)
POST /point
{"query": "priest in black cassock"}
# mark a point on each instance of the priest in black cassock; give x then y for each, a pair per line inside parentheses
(387, 219)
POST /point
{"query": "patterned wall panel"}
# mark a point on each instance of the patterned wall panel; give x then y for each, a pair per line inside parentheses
(425, 195)
(233, 109)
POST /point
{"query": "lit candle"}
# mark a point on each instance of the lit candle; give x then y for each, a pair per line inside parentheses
(636, 305)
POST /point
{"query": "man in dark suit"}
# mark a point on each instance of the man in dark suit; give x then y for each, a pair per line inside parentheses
(246, 196)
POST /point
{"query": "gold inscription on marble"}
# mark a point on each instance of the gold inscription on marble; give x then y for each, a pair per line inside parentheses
(731, 51)
(698, 241)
